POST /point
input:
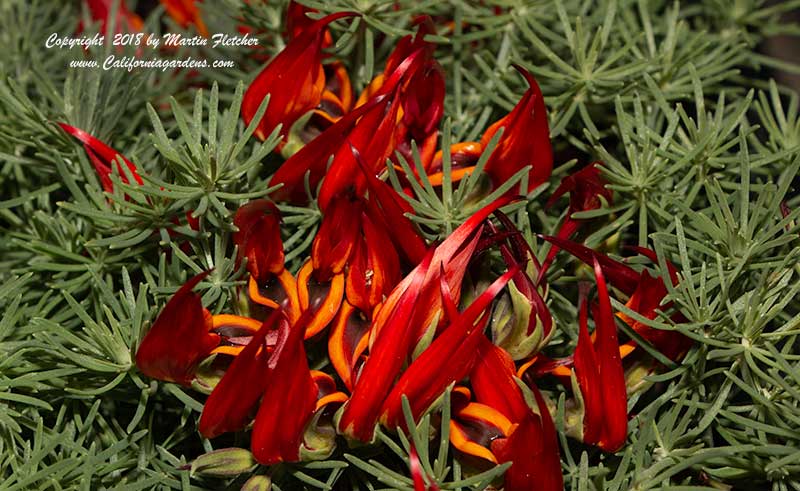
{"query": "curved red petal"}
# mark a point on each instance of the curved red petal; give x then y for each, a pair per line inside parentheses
(230, 405)
(179, 339)
(288, 401)
(525, 140)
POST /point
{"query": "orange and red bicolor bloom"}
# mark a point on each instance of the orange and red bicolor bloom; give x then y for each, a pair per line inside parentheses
(103, 157)
(425, 299)
(186, 13)
(525, 141)
(498, 426)
(358, 251)
(587, 191)
(259, 240)
(272, 368)
(294, 79)
(421, 97)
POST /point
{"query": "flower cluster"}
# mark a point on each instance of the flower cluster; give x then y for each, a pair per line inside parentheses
(400, 318)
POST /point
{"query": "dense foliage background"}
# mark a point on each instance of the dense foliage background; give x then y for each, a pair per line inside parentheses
(701, 149)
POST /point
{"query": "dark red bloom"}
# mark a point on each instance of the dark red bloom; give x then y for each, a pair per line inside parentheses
(259, 238)
(179, 339)
(645, 294)
(294, 79)
(230, 405)
(501, 420)
(186, 13)
(369, 131)
(532, 446)
(288, 401)
(449, 358)
(103, 157)
(525, 140)
(598, 369)
(422, 96)
(273, 367)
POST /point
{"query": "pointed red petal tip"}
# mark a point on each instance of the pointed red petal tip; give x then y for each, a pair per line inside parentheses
(533, 449)
(259, 238)
(289, 398)
(585, 186)
(598, 368)
(102, 157)
(525, 140)
(179, 339)
(294, 79)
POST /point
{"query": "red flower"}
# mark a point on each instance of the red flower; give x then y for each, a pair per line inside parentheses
(288, 401)
(185, 13)
(525, 141)
(103, 157)
(449, 358)
(598, 369)
(500, 427)
(401, 322)
(532, 446)
(645, 295)
(273, 368)
(294, 79)
(370, 129)
(179, 339)
(422, 96)
(259, 238)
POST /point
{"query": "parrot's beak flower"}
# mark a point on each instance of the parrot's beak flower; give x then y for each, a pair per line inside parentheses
(499, 426)
(272, 368)
(646, 294)
(294, 80)
(401, 322)
(370, 131)
(180, 338)
(525, 142)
